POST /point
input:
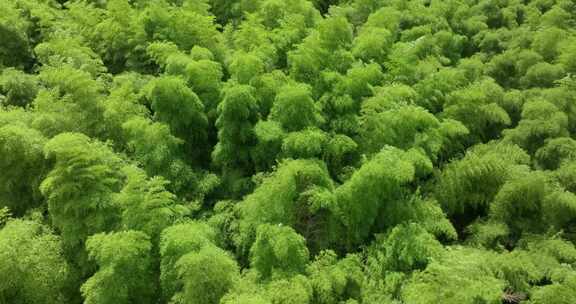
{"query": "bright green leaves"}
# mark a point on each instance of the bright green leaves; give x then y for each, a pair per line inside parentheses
(74, 85)
(405, 248)
(324, 49)
(119, 37)
(225, 11)
(304, 144)
(467, 186)
(340, 153)
(567, 51)
(152, 144)
(334, 280)
(192, 268)
(377, 183)
(23, 167)
(158, 151)
(559, 210)
(147, 205)
(532, 203)
(123, 104)
(478, 108)
(267, 86)
(427, 213)
(460, 276)
(178, 106)
(467, 275)
(175, 242)
(295, 109)
(245, 66)
(184, 27)
(14, 31)
(124, 269)
(206, 275)
(271, 28)
(541, 119)
(495, 180)
(555, 152)
(519, 202)
(237, 115)
(278, 14)
(334, 33)
(295, 289)
(561, 291)
(4, 216)
(160, 52)
(283, 198)
(542, 75)
(367, 151)
(18, 87)
(372, 43)
(70, 102)
(269, 135)
(434, 90)
(60, 51)
(506, 71)
(32, 267)
(360, 79)
(546, 42)
(407, 127)
(278, 251)
(245, 298)
(205, 76)
(198, 68)
(79, 189)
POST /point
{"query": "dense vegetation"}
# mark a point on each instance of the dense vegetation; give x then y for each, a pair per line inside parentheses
(287, 151)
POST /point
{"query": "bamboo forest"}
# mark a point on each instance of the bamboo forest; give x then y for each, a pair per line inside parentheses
(288, 151)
